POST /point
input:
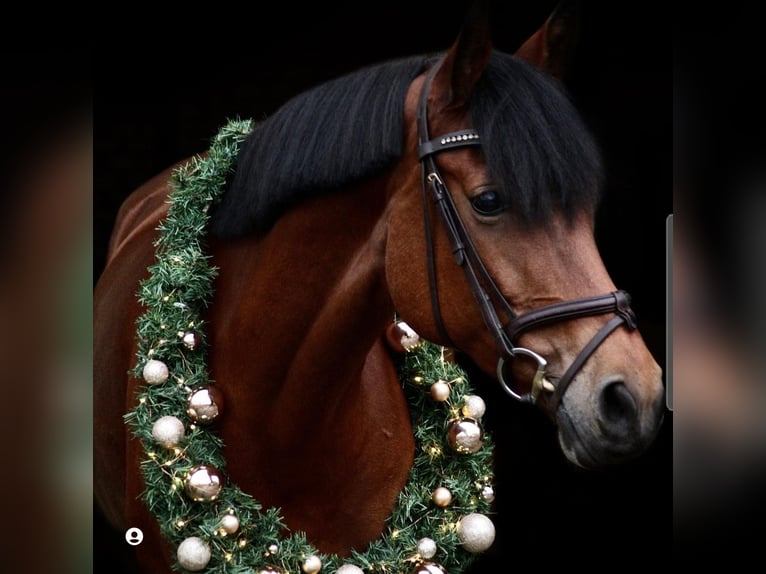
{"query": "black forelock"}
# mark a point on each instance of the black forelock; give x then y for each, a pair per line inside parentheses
(538, 150)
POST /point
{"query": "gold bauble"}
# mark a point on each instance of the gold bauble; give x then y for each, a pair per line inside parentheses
(442, 497)
(440, 391)
(311, 565)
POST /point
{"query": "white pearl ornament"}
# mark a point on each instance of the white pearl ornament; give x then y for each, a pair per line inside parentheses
(426, 548)
(349, 569)
(193, 554)
(155, 372)
(473, 407)
(476, 532)
(168, 431)
(230, 523)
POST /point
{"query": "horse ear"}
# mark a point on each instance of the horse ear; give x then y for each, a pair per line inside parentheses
(464, 63)
(551, 46)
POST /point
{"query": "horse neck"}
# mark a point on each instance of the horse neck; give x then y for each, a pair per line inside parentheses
(306, 301)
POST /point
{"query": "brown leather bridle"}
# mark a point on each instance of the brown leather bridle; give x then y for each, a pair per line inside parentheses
(485, 291)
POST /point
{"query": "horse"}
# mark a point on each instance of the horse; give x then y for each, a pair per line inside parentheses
(350, 205)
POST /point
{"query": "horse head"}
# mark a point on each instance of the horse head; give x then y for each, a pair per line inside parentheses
(501, 178)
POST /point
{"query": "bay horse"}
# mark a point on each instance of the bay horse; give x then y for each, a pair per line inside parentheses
(323, 236)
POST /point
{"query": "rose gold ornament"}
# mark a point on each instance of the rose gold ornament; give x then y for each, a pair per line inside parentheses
(203, 483)
(205, 404)
(465, 435)
(429, 568)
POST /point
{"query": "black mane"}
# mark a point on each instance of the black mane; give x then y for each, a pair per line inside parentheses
(341, 131)
(537, 149)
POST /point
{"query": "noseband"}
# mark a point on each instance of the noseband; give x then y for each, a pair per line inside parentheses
(485, 291)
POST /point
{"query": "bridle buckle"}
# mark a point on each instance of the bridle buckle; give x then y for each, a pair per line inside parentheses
(433, 177)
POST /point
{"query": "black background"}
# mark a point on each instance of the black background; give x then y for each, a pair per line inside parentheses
(154, 106)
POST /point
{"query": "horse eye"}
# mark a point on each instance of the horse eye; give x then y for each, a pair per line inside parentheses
(487, 203)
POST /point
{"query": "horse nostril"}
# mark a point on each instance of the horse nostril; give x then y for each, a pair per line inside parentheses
(618, 408)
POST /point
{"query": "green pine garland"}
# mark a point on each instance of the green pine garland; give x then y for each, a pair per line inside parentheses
(178, 289)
